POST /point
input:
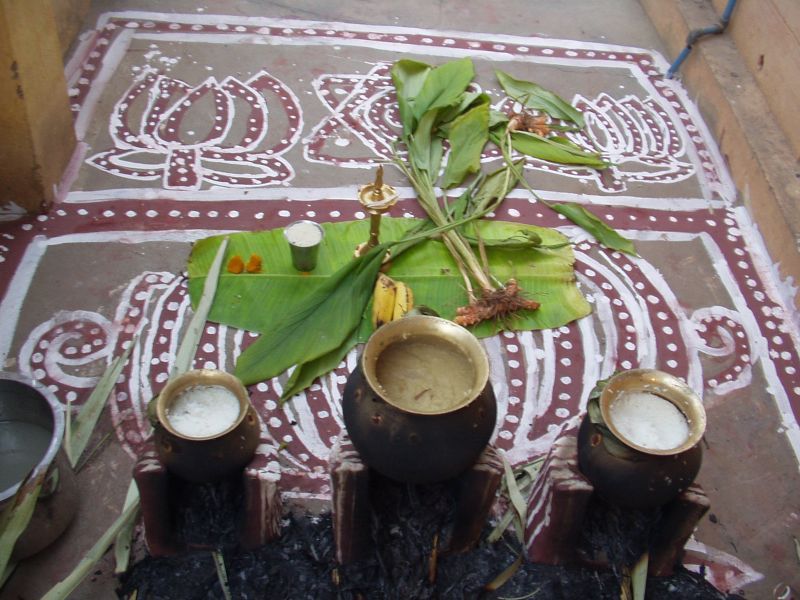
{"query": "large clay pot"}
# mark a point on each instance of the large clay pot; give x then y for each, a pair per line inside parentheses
(427, 440)
(31, 432)
(210, 458)
(627, 474)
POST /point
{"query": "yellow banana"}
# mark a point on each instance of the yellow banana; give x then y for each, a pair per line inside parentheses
(383, 299)
(403, 301)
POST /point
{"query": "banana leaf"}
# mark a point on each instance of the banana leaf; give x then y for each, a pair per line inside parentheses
(256, 302)
(534, 96)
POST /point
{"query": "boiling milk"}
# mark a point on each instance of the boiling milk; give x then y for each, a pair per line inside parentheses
(649, 420)
(203, 410)
(425, 374)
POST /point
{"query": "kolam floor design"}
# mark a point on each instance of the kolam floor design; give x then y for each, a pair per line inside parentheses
(193, 125)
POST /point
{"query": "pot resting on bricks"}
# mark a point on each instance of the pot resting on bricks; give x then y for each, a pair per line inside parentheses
(419, 407)
(206, 458)
(629, 474)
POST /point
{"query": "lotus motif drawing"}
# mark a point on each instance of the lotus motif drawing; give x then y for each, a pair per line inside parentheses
(635, 134)
(215, 133)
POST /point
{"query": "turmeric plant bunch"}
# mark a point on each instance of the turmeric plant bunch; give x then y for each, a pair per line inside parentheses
(439, 108)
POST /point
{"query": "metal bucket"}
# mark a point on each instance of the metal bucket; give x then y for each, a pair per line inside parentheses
(31, 432)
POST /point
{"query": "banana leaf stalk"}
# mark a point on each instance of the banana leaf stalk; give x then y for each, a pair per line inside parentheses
(78, 433)
(124, 539)
(66, 586)
(222, 573)
(639, 577)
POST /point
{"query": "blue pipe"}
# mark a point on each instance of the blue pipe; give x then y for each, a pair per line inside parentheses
(698, 33)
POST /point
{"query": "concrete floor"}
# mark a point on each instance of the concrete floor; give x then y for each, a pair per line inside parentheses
(702, 301)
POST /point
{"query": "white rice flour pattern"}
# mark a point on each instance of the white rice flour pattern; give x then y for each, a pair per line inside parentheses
(161, 133)
(636, 135)
(541, 379)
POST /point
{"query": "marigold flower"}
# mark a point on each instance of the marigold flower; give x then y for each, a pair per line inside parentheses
(254, 264)
(235, 264)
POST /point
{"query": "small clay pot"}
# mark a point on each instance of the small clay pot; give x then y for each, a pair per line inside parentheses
(630, 479)
(211, 458)
(630, 475)
(418, 446)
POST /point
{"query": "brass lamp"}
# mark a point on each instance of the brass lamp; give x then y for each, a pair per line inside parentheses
(376, 198)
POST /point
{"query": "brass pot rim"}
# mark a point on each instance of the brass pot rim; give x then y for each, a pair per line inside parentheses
(176, 385)
(425, 325)
(665, 386)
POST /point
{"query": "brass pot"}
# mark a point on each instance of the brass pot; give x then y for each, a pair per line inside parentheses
(406, 429)
(628, 474)
(210, 458)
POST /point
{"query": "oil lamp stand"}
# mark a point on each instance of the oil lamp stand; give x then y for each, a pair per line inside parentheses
(376, 198)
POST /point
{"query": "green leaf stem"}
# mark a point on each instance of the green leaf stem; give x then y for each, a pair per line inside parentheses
(532, 95)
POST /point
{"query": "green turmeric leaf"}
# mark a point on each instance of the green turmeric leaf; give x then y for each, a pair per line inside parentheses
(532, 95)
(305, 374)
(443, 86)
(425, 149)
(468, 135)
(468, 101)
(408, 76)
(315, 325)
(557, 149)
(591, 223)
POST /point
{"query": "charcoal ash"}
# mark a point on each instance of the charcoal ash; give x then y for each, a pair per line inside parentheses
(206, 515)
(616, 536)
(405, 523)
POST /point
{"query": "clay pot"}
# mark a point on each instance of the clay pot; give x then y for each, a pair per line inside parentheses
(627, 474)
(421, 441)
(32, 422)
(211, 458)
